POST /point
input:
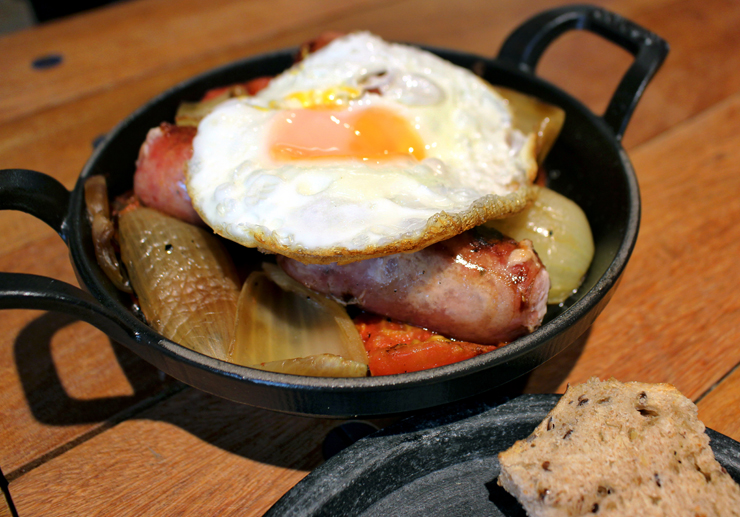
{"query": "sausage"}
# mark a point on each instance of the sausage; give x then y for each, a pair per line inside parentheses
(479, 286)
(159, 180)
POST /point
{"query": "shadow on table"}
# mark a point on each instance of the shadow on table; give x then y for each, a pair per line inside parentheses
(261, 435)
(42, 385)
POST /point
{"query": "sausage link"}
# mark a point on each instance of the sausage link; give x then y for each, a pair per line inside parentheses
(477, 287)
(159, 180)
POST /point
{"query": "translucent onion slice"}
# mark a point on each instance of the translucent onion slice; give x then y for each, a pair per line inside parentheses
(533, 115)
(323, 365)
(191, 113)
(185, 280)
(561, 236)
(103, 231)
(279, 319)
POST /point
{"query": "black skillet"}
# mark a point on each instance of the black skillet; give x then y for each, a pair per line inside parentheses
(587, 164)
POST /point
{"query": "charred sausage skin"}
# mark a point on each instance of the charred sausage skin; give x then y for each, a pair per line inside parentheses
(478, 286)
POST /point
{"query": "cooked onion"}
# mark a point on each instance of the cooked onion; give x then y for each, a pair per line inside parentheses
(532, 115)
(323, 365)
(185, 280)
(191, 113)
(98, 213)
(561, 236)
(279, 319)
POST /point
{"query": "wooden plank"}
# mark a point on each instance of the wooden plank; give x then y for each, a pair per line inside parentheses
(718, 408)
(62, 378)
(655, 329)
(674, 316)
(193, 454)
(703, 34)
(58, 141)
(583, 65)
(131, 40)
(5, 508)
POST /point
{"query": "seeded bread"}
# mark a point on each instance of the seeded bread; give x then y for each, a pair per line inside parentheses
(617, 449)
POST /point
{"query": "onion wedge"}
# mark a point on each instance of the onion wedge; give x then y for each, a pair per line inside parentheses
(531, 115)
(185, 280)
(560, 235)
(191, 113)
(103, 231)
(322, 365)
(280, 320)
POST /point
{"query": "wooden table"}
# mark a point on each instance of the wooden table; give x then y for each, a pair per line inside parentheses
(88, 428)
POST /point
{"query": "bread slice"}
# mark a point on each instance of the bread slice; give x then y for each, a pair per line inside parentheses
(617, 449)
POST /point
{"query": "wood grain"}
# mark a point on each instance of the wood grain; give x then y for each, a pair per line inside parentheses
(201, 455)
(90, 429)
(125, 42)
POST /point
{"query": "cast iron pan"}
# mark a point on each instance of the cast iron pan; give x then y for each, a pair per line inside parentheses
(587, 164)
(443, 463)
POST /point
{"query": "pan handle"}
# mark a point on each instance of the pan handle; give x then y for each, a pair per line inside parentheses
(45, 198)
(524, 47)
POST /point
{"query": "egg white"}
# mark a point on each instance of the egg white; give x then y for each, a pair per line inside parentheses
(327, 209)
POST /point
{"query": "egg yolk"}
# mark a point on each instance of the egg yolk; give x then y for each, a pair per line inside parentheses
(373, 133)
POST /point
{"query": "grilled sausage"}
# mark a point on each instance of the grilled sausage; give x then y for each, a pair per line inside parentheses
(485, 289)
(159, 180)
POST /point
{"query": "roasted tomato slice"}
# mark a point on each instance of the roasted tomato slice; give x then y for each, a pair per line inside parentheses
(395, 347)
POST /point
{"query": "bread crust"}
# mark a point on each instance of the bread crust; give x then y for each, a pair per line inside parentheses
(609, 448)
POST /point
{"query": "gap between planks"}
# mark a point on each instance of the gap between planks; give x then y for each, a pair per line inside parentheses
(716, 384)
(109, 423)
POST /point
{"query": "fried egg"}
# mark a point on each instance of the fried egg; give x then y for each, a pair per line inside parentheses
(363, 149)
